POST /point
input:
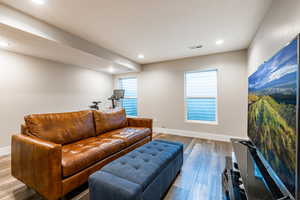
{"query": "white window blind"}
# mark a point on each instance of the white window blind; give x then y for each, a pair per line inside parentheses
(129, 103)
(201, 95)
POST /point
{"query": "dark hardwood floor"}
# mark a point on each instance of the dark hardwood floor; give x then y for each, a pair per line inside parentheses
(200, 178)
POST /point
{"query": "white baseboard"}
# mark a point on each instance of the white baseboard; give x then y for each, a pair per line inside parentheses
(202, 135)
(4, 151)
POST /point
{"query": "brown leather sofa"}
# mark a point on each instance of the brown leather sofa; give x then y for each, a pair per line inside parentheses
(56, 153)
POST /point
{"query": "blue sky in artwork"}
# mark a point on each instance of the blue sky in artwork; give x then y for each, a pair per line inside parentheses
(279, 71)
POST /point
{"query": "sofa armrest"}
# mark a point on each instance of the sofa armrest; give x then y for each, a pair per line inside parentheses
(140, 122)
(37, 163)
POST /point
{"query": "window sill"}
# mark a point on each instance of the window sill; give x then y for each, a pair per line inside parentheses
(132, 116)
(201, 122)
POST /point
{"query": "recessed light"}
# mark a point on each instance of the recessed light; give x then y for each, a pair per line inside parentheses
(111, 70)
(39, 2)
(141, 56)
(219, 42)
(3, 44)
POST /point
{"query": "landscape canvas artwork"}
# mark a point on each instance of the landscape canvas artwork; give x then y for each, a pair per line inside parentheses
(272, 111)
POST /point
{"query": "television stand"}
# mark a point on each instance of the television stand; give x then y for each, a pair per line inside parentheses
(245, 178)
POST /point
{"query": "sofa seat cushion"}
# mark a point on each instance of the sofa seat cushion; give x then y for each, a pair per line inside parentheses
(82, 154)
(130, 135)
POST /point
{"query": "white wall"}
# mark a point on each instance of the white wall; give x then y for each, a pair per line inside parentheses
(161, 93)
(31, 85)
(280, 25)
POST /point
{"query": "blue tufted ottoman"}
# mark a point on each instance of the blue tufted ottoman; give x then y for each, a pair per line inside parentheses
(143, 174)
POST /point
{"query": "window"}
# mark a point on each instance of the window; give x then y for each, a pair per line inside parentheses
(129, 103)
(201, 96)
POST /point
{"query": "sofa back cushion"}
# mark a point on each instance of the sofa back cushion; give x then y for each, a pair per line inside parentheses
(109, 120)
(61, 128)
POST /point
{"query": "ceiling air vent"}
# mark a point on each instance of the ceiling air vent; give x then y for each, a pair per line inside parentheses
(195, 47)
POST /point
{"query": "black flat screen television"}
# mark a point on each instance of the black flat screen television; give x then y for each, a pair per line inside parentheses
(273, 114)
